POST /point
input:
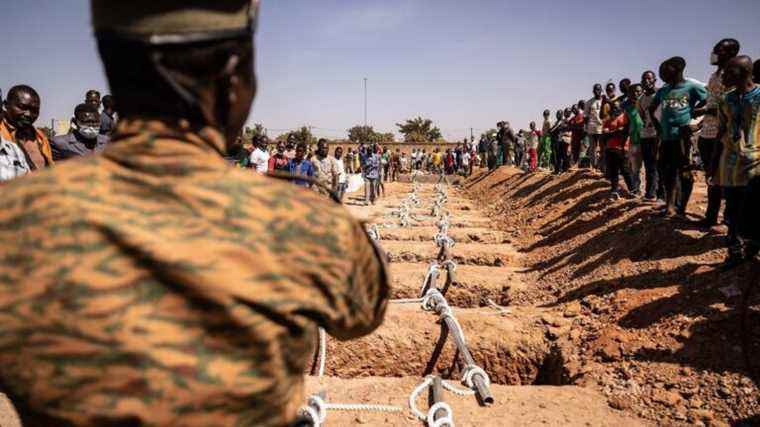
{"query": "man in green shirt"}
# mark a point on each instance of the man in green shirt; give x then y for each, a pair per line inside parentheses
(635, 125)
(678, 98)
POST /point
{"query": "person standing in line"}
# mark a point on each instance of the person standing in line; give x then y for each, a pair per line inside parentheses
(22, 109)
(556, 133)
(340, 167)
(630, 106)
(300, 167)
(325, 169)
(84, 137)
(13, 163)
(545, 150)
(395, 165)
(577, 126)
(278, 163)
(466, 163)
(92, 97)
(403, 163)
(385, 161)
(710, 147)
(678, 98)
(371, 172)
(259, 158)
(616, 128)
(533, 140)
(108, 119)
(594, 125)
(739, 169)
(649, 141)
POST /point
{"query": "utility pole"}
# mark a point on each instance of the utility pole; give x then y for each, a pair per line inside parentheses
(472, 134)
(365, 102)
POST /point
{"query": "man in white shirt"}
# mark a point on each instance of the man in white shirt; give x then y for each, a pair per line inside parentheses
(13, 162)
(260, 156)
(594, 126)
(340, 168)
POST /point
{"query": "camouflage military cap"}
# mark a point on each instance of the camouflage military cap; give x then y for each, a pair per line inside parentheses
(174, 21)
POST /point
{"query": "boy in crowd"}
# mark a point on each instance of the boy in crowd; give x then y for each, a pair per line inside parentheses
(739, 172)
(635, 124)
(709, 145)
(545, 151)
(616, 129)
(594, 125)
(278, 162)
(533, 140)
(299, 166)
(577, 125)
(648, 136)
(678, 98)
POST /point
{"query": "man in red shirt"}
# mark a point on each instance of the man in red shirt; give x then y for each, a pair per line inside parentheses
(616, 133)
(278, 162)
(577, 125)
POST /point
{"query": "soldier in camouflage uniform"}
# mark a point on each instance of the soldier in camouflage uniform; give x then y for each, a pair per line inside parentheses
(155, 285)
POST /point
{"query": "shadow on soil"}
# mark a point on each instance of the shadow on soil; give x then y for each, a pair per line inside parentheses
(663, 253)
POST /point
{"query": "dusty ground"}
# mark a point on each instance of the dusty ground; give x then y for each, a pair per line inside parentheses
(515, 406)
(517, 345)
(654, 331)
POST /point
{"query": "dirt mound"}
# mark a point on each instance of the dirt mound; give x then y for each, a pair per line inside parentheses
(655, 330)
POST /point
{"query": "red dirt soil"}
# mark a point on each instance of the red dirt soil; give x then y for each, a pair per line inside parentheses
(653, 331)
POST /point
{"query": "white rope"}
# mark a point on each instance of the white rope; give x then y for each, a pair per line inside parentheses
(433, 269)
(413, 398)
(470, 371)
(451, 263)
(406, 301)
(445, 421)
(458, 390)
(322, 351)
(362, 407)
(316, 409)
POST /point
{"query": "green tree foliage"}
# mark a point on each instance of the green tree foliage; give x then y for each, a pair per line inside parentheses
(419, 130)
(367, 134)
(301, 135)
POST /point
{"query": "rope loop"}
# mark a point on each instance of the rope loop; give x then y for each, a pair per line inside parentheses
(445, 421)
(470, 371)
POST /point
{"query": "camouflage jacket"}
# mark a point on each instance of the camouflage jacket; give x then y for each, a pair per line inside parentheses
(155, 285)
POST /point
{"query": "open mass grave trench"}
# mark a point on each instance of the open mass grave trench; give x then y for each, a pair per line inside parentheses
(515, 346)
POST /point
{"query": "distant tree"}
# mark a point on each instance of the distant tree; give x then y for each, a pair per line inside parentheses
(301, 135)
(419, 130)
(387, 137)
(365, 134)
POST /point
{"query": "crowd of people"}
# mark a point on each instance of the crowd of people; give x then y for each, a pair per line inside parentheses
(25, 148)
(666, 132)
(316, 167)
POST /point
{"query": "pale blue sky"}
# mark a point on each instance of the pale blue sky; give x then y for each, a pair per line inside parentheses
(461, 63)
